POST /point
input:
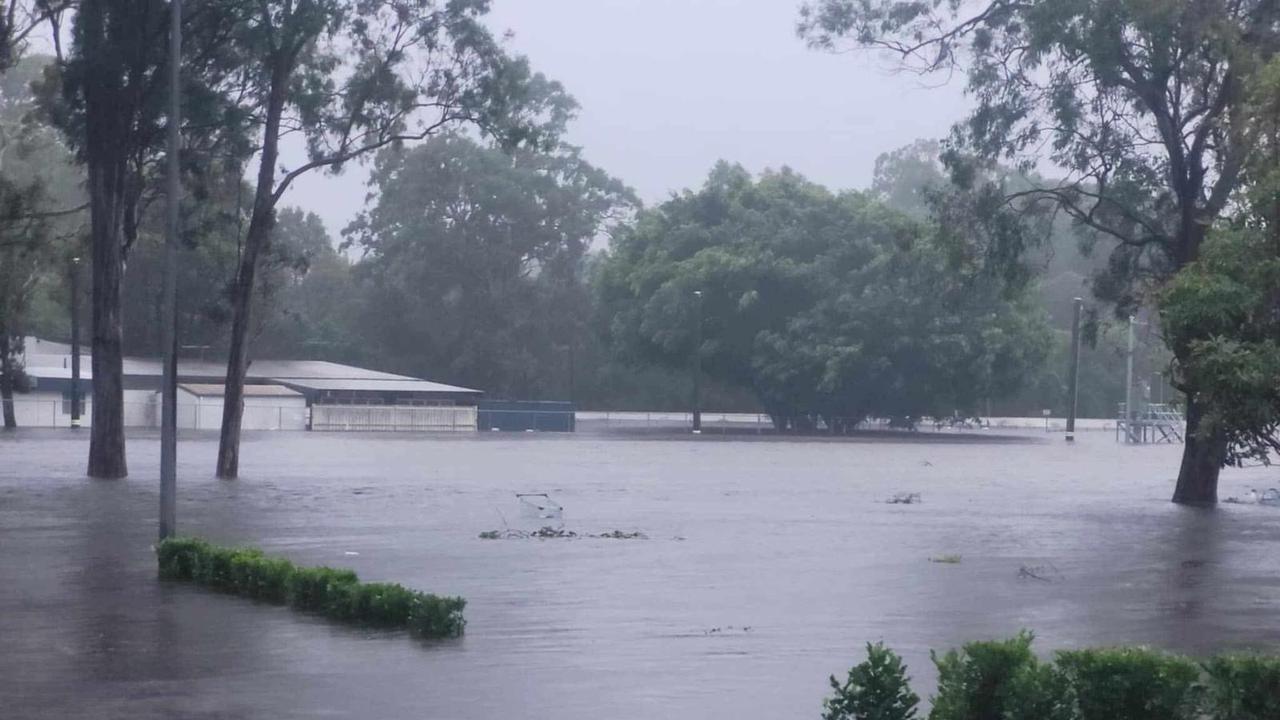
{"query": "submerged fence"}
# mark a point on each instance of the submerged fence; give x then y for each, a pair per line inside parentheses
(393, 418)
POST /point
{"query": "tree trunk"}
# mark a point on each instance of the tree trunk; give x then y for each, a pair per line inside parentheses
(255, 241)
(106, 438)
(6, 381)
(108, 113)
(1201, 461)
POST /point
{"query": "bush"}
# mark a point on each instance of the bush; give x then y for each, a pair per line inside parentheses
(974, 683)
(178, 557)
(1132, 684)
(434, 616)
(337, 594)
(876, 689)
(1243, 687)
(311, 588)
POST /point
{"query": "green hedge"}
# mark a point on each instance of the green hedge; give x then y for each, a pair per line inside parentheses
(336, 594)
(1004, 680)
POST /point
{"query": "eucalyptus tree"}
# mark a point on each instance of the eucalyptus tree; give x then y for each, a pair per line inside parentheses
(1139, 104)
(351, 77)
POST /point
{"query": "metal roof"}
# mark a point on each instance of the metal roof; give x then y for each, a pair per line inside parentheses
(374, 385)
(213, 390)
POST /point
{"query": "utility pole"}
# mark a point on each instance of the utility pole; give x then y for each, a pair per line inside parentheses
(1074, 401)
(169, 316)
(697, 363)
(75, 342)
(1129, 415)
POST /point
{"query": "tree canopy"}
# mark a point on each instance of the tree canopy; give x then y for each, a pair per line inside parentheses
(828, 306)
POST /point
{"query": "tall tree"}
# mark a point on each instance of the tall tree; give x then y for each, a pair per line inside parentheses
(109, 100)
(354, 76)
(40, 209)
(472, 265)
(829, 307)
(1139, 103)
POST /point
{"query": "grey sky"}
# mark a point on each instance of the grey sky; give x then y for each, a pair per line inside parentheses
(667, 87)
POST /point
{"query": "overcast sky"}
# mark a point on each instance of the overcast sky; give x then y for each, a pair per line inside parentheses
(668, 87)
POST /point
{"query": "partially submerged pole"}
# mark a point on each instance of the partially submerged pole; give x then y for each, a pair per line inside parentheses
(1128, 386)
(75, 342)
(697, 363)
(1073, 401)
(169, 316)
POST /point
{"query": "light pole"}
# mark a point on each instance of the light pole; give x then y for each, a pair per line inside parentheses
(169, 316)
(697, 363)
(75, 342)
(1073, 401)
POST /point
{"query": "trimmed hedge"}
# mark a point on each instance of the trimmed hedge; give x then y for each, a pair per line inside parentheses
(1004, 680)
(336, 594)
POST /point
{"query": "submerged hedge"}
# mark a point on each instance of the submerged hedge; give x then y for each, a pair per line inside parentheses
(1004, 680)
(336, 594)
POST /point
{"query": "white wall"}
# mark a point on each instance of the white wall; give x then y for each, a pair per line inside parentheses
(393, 418)
(260, 413)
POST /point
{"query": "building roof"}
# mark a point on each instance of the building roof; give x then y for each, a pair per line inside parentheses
(376, 385)
(215, 390)
(304, 375)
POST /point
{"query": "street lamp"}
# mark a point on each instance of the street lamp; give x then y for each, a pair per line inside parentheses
(75, 341)
(697, 363)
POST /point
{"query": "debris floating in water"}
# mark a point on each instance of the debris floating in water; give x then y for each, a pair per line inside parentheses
(910, 498)
(946, 559)
(539, 505)
(1270, 497)
(1043, 573)
(548, 532)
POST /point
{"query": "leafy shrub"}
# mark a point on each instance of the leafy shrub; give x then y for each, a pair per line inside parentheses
(876, 689)
(974, 683)
(178, 557)
(1039, 691)
(1132, 684)
(310, 588)
(260, 577)
(434, 616)
(337, 594)
(1243, 687)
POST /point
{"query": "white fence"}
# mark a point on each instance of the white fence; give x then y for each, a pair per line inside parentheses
(393, 418)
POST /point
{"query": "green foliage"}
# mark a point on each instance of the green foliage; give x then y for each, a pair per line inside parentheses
(1243, 687)
(827, 306)
(876, 689)
(1003, 680)
(336, 594)
(977, 681)
(1220, 314)
(311, 588)
(435, 616)
(1132, 684)
(464, 236)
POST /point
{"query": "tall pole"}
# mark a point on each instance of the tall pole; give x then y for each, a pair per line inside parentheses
(75, 342)
(169, 391)
(697, 362)
(1129, 415)
(1074, 400)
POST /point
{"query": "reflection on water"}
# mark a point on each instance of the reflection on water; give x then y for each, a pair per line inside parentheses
(767, 566)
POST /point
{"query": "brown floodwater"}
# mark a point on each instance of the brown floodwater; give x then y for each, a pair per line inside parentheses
(768, 564)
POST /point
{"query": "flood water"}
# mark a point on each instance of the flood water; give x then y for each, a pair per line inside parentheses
(768, 564)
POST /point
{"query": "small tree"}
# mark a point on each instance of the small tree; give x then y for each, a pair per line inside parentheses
(876, 689)
(355, 76)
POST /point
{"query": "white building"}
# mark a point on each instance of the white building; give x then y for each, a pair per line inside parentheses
(266, 407)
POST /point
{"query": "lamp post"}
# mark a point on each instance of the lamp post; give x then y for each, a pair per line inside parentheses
(697, 363)
(1073, 400)
(75, 341)
(169, 316)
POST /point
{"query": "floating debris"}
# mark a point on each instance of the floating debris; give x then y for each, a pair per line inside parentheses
(539, 505)
(1042, 573)
(553, 533)
(946, 559)
(726, 630)
(1271, 496)
(909, 498)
